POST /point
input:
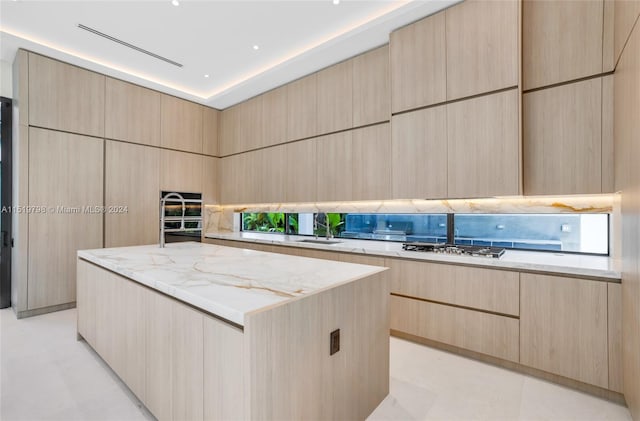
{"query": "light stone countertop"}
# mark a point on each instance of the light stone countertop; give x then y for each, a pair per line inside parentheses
(587, 266)
(225, 281)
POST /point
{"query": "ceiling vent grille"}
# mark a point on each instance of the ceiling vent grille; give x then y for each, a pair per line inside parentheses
(126, 44)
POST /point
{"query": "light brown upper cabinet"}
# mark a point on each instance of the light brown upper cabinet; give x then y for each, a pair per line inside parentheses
(301, 164)
(210, 180)
(418, 64)
(232, 179)
(563, 327)
(561, 41)
(419, 154)
(335, 97)
(483, 156)
(132, 113)
(65, 176)
(181, 123)
(132, 180)
(274, 116)
(302, 108)
(180, 171)
(562, 139)
(625, 15)
(65, 97)
(482, 47)
(334, 167)
(371, 166)
(210, 118)
(272, 172)
(371, 87)
(241, 127)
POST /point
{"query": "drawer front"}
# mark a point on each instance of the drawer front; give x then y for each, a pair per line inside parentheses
(484, 289)
(489, 334)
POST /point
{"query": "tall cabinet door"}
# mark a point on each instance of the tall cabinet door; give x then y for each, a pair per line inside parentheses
(132, 194)
(65, 176)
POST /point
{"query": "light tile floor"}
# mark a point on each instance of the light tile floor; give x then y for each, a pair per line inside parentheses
(45, 374)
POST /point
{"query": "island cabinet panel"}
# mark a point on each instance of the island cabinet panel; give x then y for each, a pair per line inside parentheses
(132, 192)
(335, 97)
(563, 327)
(473, 330)
(86, 302)
(302, 108)
(315, 384)
(158, 332)
(371, 166)
(483, 146)
(274, 116)
(482, 38)
(180, 171)
(119, 325)
(335, 171)
(301, 165)
(418, 64)
(224, 371)
(66, 178)
(371, 95)
(562, 139)
(483, 289)
(561, 41)
(65, 97)
(132, 113)
(181, 124)
(210, 117)
(419, 154)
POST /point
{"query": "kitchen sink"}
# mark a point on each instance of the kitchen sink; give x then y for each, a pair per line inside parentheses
(319, 241)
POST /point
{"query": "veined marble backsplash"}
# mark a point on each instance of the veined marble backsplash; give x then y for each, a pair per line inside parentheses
(220, 218)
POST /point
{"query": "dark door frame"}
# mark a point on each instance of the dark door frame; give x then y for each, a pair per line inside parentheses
(5, 234)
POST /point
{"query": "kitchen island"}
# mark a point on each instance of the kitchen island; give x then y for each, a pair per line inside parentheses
(199, 331)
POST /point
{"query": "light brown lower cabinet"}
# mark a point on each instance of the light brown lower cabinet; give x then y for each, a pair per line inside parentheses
(473, 330)
(563, 327)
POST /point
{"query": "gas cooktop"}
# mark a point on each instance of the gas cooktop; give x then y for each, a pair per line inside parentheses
(442, 248)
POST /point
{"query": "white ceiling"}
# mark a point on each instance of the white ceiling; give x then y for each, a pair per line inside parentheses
(208, 37)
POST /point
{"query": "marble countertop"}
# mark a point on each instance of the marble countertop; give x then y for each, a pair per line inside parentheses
(225, 281)
(592, 267)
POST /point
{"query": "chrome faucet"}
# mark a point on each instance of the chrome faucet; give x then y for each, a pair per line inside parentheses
(326, 224)
(163, 203)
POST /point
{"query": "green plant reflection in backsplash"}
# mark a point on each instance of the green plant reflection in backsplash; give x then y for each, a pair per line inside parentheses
(266, 222)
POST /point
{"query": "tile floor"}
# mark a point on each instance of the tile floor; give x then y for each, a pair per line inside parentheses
(47, 375)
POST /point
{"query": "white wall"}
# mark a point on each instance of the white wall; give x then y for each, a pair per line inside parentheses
(6, 88)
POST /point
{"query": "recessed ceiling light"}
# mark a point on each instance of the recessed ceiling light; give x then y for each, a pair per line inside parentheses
(336, 2)
(256, 47)
(206, 75)
(177, 3)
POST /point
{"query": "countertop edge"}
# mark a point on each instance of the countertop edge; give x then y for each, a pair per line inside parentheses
(499, 264)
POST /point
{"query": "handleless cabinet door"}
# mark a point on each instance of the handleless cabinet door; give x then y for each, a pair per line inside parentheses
(274, 116)
(301, 164)
(302, 119)
(66, 179)
(210, 118)
(65, 97)
(482, 47)
(181, 124)
(334, 155)
(371, 87)
(180, 171)
(132, 113)
(418, 64)
(483, 141)
(563, 327)
(371, 149)
(562, 139)
(561, 41)
(132, 191)
(335, 97)
(419, 154)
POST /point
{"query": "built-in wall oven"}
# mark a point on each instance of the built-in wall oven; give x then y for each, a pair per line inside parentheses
(181, 216)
